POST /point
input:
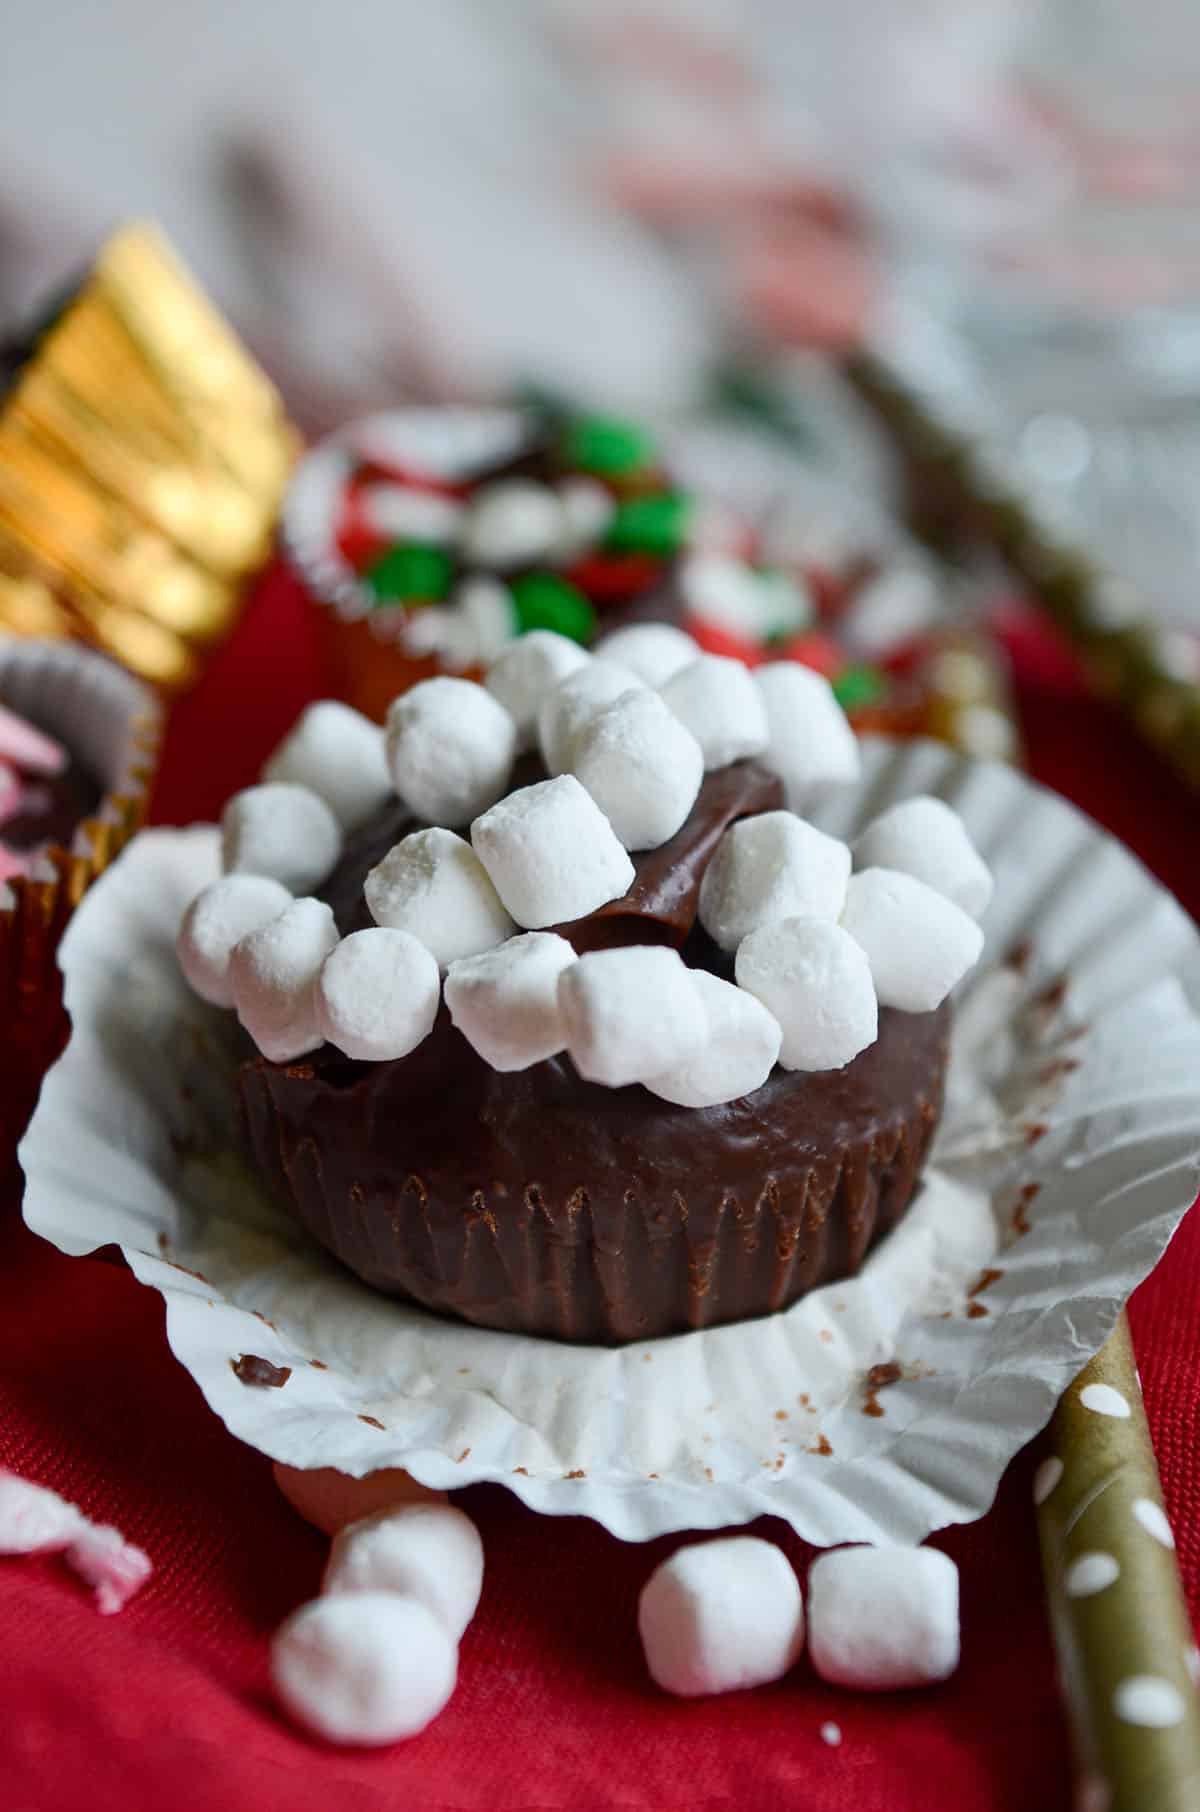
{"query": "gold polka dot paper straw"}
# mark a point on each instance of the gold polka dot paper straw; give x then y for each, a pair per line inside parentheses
(1126, 1652)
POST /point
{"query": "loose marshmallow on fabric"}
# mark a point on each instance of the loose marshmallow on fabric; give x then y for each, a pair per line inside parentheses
(816, 981)
(526, 671)
(925, 838)
(274, 972)
(338, 754)
(219, 917)
(630, 1013)
(551, 854)
(738, 1053)
(450, 749)
(642, 767)
(880, 1618)
(810, 744)
(919, 944)
(433, 885)
(719, 703)
(771, 867)
(505, 1002)
(284, 831)
(34, 1520)
(575, 700)
(721, 1615)
(377, 995)
(513, 522)
(363, 1667)
(429, 1552)
(654, 651)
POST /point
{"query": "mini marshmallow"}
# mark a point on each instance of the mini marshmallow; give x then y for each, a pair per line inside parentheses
(551, 854)
(284, 831)
(513, 522)
(654, 651)
(505, 1002)
(429, 1552)
(587, 510)
(631, 1013)
(816, 981)
(273, 973)
(219, 917)
(400, 512)
(527, 670)
(482, 621)
(721, 1615)
(719, 703)
(880, 1618)
(363, 1667)
(433, 885)
(919, 944)
(450, 749)
(377, 995)
(810, 743)
(925, 838)
(724, 591)
(771, 867)
(891, 609)
(564, 713)
(739, 1051)
(642, 767)
(338, 754)
(34, 1520)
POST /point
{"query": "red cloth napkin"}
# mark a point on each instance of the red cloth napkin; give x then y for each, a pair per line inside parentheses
(167, 1705)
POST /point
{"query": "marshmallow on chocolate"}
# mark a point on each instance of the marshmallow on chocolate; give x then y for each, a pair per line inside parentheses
(816, 981)
(450, 749)
(551, 853)
(273, 974)
(630, 1013)
(338, 754)
(925, 838)
(738, 1052)
(717, 700)
(919, 944)
(574, 702)
(505, 1002)
(377, 995)
(433, 885)
(654, 651)
(810, 744)
(219, 917)
(526, 671)
(642, 766)
(286, 832)
(770, 867)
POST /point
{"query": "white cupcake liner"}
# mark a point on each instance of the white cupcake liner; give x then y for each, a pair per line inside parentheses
(1094, 1097)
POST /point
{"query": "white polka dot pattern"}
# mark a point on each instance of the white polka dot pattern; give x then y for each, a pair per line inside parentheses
(1103, 1400)
(1046, 1478)
(1146, 1700)
(1089, 1574)
(1153, 1519)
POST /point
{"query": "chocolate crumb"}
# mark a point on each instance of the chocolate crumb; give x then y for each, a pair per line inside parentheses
(984, 1279)
(1020, 1221)
(318, 1365)
(975, 1310)
(579, 1473)
(1037, 1131)
(781, 1415)
(803, 1399)
(880, 1376)
(646, 1358)
(872, 1406)
(464, 1455)
(1020, 956)
(708, 1472)
(652, 1475)
(523, 1470)
(463, 1370)
(1054, 1072)
(164, 1244)
(1052, 995)
(259, 1316)
(826, 1334)
(373, 1422)
(249, 1368)
(821, 1446)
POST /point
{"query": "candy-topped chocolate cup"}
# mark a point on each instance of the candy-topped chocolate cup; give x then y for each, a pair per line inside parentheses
(539, 1203)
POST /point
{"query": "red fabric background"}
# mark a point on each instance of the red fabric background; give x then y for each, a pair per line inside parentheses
(168, 1705)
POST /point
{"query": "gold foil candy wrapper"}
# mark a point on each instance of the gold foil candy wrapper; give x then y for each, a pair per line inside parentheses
(143, 457)
(112, 725)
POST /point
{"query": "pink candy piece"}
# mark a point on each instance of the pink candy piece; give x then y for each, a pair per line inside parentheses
(27, 748)
(36, 1521)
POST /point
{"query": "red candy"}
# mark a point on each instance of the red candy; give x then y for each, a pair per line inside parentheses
(605, 577)
(723, 641)
(820, 652)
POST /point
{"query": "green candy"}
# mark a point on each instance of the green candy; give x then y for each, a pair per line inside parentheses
(607, 445)
(546, 601)
(655, 524)
(411, 573)
(857, 686)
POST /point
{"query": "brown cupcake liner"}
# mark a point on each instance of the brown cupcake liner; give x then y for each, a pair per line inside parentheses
(113, 725)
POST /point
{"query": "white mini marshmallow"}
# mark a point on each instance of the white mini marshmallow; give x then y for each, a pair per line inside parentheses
(273, 973)
(551, 853)
(429, 1552)
(771, 867)
(720, 704)
(739, 1051)
(642, 766)
(377, 995)
(810, 743)
(721, 1615)
(816, 981)
(512, 522)
(925, 838)
(631, 1013)
(722, 590)
(575, 700)
(881, 1618)
(505, 1002)
(339, 754)
(526, 671)
(219, 917)
(482, 621)
(890, 610)
(450, 748)
(363, 1667)
(587, 510)
(654, 651)
(433, 885)
(402, 513)
(283, 831)
(919, 944)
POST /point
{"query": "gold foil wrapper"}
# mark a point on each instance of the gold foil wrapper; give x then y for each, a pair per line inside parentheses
(111, 724)
(143, 457)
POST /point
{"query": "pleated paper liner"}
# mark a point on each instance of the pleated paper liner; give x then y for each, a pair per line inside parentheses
(143, 456)
(111, 725)
(876, 1409)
